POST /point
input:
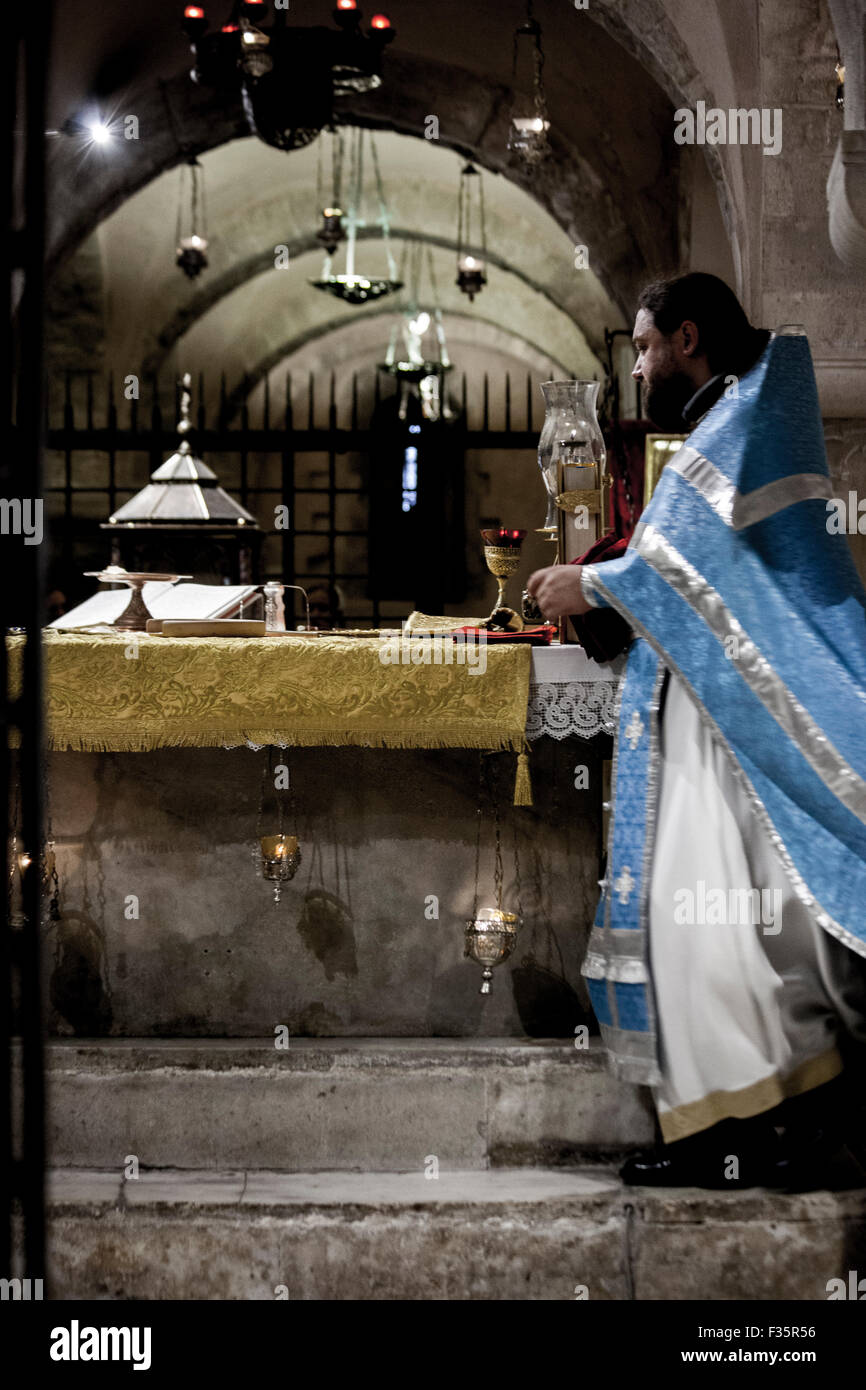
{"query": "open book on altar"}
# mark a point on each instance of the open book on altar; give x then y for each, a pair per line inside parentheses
(163, 600)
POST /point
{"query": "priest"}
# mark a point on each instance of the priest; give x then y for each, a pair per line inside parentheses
(727, 960)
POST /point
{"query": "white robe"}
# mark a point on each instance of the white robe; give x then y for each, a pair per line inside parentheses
(746, 1015)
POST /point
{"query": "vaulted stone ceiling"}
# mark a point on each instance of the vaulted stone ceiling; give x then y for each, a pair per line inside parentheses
(617, 184)
(243, 316)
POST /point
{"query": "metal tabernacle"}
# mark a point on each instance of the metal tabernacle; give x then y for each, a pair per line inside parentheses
(184, 500)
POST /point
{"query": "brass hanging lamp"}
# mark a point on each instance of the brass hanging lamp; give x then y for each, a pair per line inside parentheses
(490, 934)
(278, 854)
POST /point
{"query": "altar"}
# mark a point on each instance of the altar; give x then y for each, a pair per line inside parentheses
(135, 693)
(165, 927)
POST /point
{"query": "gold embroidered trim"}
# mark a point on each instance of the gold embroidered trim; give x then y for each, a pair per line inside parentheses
(770, 1091)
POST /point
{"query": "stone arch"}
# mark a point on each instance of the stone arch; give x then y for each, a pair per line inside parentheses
(243, 271)
(586, 187)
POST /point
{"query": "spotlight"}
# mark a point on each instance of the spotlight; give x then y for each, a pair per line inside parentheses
(99, 133)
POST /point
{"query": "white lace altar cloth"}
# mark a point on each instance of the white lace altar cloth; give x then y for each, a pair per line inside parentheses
(569, 694)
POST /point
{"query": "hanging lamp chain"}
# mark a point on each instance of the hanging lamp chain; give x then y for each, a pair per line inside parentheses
(540, 101)
(434, 291)
(444, 357)
(337, 167)
(180, 205)
(518, 888)
(464, 211)
(532, 29)
(199, 171)
(384, 219)
(497, 853)
(479, 816)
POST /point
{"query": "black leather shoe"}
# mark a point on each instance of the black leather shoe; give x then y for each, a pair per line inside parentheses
(816, 1130)
(806, 1159)
(705, 1159)
(654, 1168)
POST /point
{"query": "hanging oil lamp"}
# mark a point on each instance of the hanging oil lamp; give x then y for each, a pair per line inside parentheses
(20, 862)
(351, 286)
(331, 232)
(281, 857)
(191, 252)
(527, 135)
(254, 60)
(279, 854)
(287, 77)
(471, 260)
(421, 365)
(490, 939)
(490, 934)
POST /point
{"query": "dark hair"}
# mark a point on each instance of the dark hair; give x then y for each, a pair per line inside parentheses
(724, 333)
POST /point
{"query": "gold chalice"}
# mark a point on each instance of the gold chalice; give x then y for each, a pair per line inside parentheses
(502, 555)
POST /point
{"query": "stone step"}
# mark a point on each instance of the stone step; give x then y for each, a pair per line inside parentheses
(527, 1233)
(341, 1103)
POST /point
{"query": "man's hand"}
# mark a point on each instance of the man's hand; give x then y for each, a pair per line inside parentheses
(557, 591)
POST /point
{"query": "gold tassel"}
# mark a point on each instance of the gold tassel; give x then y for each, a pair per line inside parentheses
(523, 781)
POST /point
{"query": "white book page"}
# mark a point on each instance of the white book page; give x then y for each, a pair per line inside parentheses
(162, 599)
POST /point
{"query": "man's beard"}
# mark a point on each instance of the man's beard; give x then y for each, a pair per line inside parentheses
(665, 400)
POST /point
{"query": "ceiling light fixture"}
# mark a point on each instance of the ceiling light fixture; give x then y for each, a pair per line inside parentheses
(191, 248)
(352, 287)
(287, 76)
(471, 263)
(527, 135)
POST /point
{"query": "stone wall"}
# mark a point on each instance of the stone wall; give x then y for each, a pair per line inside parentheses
(349, 949)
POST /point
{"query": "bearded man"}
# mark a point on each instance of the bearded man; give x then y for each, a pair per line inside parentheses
(727, 960)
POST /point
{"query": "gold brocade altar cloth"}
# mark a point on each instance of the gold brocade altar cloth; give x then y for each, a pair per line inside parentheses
(133, 693)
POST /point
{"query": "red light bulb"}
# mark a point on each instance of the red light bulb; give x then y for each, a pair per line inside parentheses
(380, 21)
(229, 29)
(193, 12)
(347, 4)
